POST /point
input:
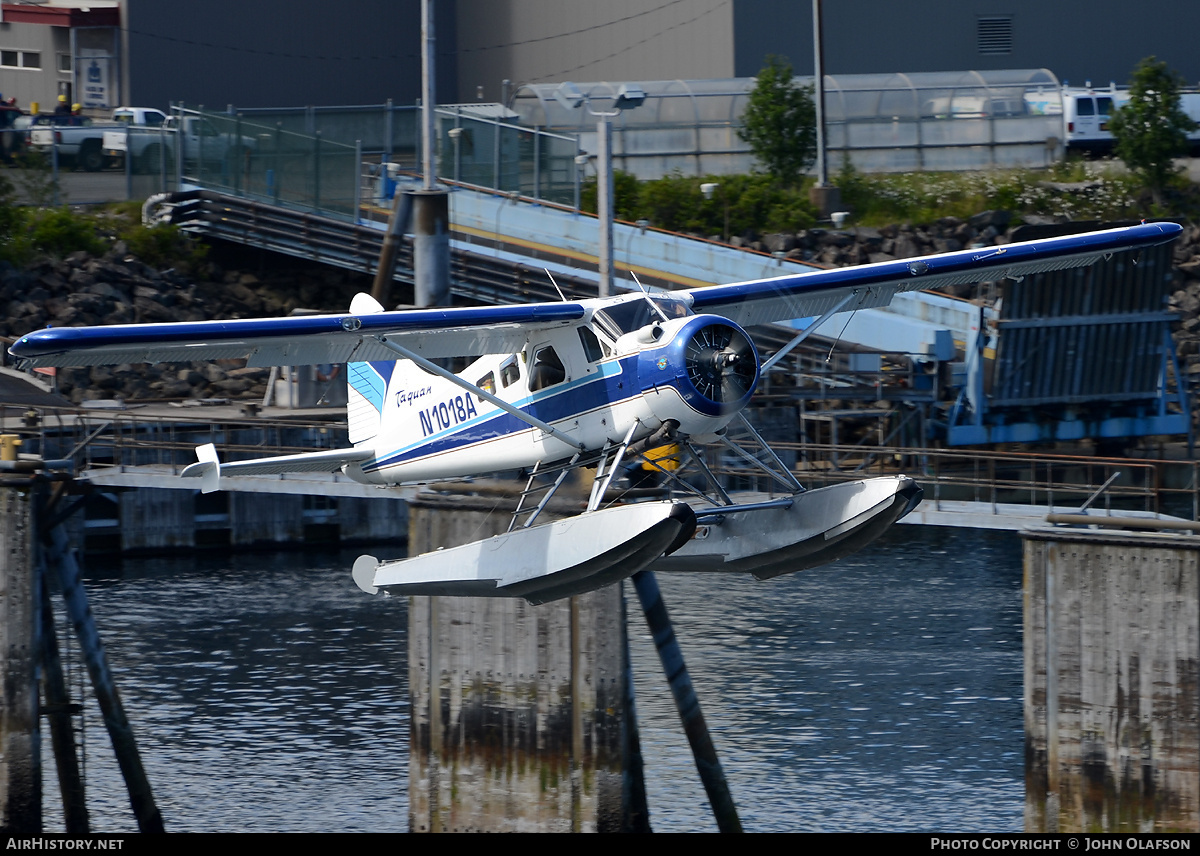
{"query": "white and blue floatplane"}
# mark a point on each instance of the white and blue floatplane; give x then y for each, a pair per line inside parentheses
(558, 387)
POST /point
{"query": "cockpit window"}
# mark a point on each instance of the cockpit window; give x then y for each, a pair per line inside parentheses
(636, 314)
(592, 349)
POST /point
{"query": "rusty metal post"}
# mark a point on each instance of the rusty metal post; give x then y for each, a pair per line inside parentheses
(431, 247)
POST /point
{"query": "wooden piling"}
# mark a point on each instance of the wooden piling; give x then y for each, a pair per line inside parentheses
(517, 710)
(1112, 682)
(58, 709)
(141, 799)
(704, 752)
(20, 753)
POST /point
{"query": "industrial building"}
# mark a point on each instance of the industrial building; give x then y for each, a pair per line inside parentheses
(305, 52)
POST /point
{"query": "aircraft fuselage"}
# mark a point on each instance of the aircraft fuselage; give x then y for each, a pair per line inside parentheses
(592, 380)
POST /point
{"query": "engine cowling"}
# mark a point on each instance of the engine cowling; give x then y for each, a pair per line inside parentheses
(709, 364)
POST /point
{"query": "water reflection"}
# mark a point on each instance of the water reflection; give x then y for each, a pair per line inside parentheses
(272, 696)
(881, 692)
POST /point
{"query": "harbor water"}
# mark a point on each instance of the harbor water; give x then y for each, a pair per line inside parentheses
(882, 692)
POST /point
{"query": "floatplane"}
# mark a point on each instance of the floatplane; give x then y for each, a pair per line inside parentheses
(578, 386)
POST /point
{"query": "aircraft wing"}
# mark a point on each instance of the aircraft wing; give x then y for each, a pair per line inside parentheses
(302, 340)
(468, 331)
(804, 295)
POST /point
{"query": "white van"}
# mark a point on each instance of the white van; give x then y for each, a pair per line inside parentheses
(1086, 114)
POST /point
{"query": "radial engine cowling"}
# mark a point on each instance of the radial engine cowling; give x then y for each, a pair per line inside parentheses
(707, 364)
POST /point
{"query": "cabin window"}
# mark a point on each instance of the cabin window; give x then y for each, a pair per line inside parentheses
(1104, 106)
(546, 370)
(1085, 107)
(487, 383)
(591, 345)
(510, 372)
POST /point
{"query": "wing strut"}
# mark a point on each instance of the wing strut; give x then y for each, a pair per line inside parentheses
(434, 368)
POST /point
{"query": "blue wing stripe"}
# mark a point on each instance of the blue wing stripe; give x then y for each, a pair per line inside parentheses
(59, 339)
(984, 261)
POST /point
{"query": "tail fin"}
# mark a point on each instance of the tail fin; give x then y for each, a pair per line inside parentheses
(368, 383)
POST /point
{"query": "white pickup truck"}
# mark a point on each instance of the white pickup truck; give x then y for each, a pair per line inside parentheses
(203, 143)
(80, 141)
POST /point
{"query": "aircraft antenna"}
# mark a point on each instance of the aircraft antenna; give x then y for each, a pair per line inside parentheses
(555, 284)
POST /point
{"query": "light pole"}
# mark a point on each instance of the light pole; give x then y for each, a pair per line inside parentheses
(628, 96)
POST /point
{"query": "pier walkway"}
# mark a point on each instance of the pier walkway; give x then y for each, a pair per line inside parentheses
(147, 446)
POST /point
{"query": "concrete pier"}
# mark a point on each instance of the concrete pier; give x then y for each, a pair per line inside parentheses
(517, 710)
(1112, 696)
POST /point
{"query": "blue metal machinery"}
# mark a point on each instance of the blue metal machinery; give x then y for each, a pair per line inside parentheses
(1085, 353)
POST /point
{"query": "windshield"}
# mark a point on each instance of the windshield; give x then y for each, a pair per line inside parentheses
(636, 314)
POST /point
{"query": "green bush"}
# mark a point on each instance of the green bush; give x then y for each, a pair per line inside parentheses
(1073, 189)
(59, 232)
(164, 245)
(752, 203)
(626, 189)
(756, 204)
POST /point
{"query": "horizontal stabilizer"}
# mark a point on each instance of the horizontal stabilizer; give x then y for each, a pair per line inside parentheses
(328, 461)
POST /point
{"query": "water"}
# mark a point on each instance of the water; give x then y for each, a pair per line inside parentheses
(882, 692)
